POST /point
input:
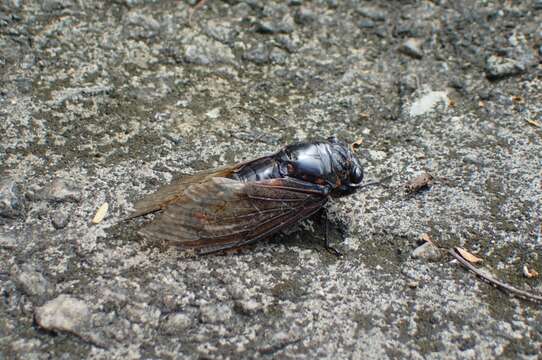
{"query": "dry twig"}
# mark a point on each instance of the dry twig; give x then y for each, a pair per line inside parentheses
(497, 283)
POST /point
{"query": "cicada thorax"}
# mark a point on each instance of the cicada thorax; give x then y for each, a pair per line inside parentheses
(312, 162)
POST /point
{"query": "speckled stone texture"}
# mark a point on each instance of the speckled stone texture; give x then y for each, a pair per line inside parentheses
(103, 101)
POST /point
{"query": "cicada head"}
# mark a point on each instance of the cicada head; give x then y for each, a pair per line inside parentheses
(347, 166)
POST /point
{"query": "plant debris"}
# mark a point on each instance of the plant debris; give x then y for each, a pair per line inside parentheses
(491, 280)
(466, 259)
(101, 213)
(468, 256)
(356, 144)
(534, 123)
(419, 182)
(529, 273)
(427, 238)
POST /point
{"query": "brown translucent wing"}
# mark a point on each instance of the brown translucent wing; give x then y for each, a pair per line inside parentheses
(223, 213)
(172, 192)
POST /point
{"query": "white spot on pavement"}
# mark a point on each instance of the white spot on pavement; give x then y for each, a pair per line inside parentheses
(213, 114)
(428, 102)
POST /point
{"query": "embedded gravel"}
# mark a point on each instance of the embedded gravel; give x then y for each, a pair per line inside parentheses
(103, 101)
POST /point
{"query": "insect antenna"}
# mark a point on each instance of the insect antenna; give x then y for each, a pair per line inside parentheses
(373, 183)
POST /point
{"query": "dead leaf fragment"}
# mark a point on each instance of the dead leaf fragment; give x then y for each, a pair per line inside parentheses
(427, 238)
(529, 273)
(419, 182)
(534, 123)
(468, 256)
(101, 213)
(356, 144)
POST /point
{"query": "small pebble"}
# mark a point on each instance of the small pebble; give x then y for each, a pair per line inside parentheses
(305, 16)
(55, 5)
(278, 56)
(205, 51)
(258, 54)
(11, 200)
(499, 67)
(412, 47)
(366, 24)
(7, 241)
(215, 313)
(473, 160)
(140, 26)
(457, 84)
(248, 307)
(287, 43)
(64, 313)
(61, 190)
(31, 282)
(224, 32)
(60, 219)
(381, 32)
(408, 84)
(176, 323)
(372, 13)
(484, 94)
(427, 251)
(273, 27)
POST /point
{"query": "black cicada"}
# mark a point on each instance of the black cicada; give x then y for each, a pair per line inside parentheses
(252, 200)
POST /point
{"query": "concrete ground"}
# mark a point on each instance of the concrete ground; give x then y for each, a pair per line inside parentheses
(103, 101)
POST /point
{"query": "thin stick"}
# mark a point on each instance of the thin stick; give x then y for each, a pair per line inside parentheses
(497, 283)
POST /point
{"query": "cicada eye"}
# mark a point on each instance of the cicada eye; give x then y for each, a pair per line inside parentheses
(356, 175)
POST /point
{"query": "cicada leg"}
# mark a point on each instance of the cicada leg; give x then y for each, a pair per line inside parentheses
(327, 246)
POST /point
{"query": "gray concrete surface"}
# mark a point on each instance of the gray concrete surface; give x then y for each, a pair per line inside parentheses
(103, 101)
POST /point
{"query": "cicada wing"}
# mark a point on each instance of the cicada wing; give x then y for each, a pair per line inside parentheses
(172, 192)
(224, 213)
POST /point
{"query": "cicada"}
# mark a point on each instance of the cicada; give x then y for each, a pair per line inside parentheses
(252, 200)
